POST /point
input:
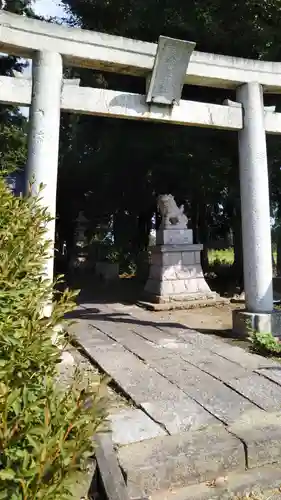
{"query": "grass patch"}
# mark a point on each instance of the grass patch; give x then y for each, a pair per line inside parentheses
(225, 256)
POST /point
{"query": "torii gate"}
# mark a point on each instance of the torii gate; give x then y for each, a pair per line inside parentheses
(166, 67)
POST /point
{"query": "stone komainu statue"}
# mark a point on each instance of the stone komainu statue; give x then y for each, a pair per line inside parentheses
(172, 215)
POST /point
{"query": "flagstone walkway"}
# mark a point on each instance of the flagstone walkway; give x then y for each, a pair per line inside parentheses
(200, 406)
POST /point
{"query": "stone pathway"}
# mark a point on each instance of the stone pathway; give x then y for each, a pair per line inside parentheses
(202, 408)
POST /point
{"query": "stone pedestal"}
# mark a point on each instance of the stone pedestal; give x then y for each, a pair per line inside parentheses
(174, 237)
(244, 323)
(175, 272)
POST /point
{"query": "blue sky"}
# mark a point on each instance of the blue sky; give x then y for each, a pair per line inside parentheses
(48, 8)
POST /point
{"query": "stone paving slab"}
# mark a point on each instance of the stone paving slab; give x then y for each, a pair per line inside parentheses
(250, 361)
(151, 352)
(238, 355)
(184, 383)
(215, 365)
(132, 426)
(141, 343)
(155, 334)
(131, 334)
(145, 328)
(88, 336)
(262, 480)
(179, 336)
(233, 353)
(163, 383)
(192, 336)
(172, 407)
(261, 433)
(179, 416)
(222, 402)
(261, 391)
(273, 373)
(211, 363)
(138, 345)
(174, 461)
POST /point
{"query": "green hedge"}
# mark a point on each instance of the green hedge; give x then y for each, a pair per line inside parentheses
(45, 432)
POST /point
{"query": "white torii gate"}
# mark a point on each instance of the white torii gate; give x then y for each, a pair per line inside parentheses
(50, 46)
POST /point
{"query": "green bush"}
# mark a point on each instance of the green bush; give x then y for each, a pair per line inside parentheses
(45, 432)
(265, 343)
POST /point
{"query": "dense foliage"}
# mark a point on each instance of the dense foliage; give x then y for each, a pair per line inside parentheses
(113, 169)
(265, 343)
(13, 125)
(123, 165)
(45, 432)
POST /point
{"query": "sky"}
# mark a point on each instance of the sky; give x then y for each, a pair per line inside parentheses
(48, 8)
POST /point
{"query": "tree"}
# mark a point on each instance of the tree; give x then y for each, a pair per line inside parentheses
(245, 28)
(18, 6)
(13, 125)
(128, 164)
(46, 431)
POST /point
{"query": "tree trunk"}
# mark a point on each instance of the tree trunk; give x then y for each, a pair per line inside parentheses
(278, 252)
(274, 266)
(144, 229)
(194, 220)
(118, 224)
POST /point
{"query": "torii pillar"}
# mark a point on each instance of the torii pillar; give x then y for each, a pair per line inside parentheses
(43, 140)
(255, 209)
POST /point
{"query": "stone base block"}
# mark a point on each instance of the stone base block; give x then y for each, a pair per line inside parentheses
(243, 322)
(174, 237)
(156, 304)
(180, 301)
(178, 290)
(176, 274)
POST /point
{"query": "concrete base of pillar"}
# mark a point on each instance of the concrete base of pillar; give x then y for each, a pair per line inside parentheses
(243, 322)
(176, 275)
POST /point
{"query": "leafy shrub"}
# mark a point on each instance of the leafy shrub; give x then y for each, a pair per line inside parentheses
(265, 343)
(45, 432)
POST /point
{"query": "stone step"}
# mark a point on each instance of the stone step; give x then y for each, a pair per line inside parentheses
(263, 483)
(200, 408)
(167, 463)
(179, 460)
